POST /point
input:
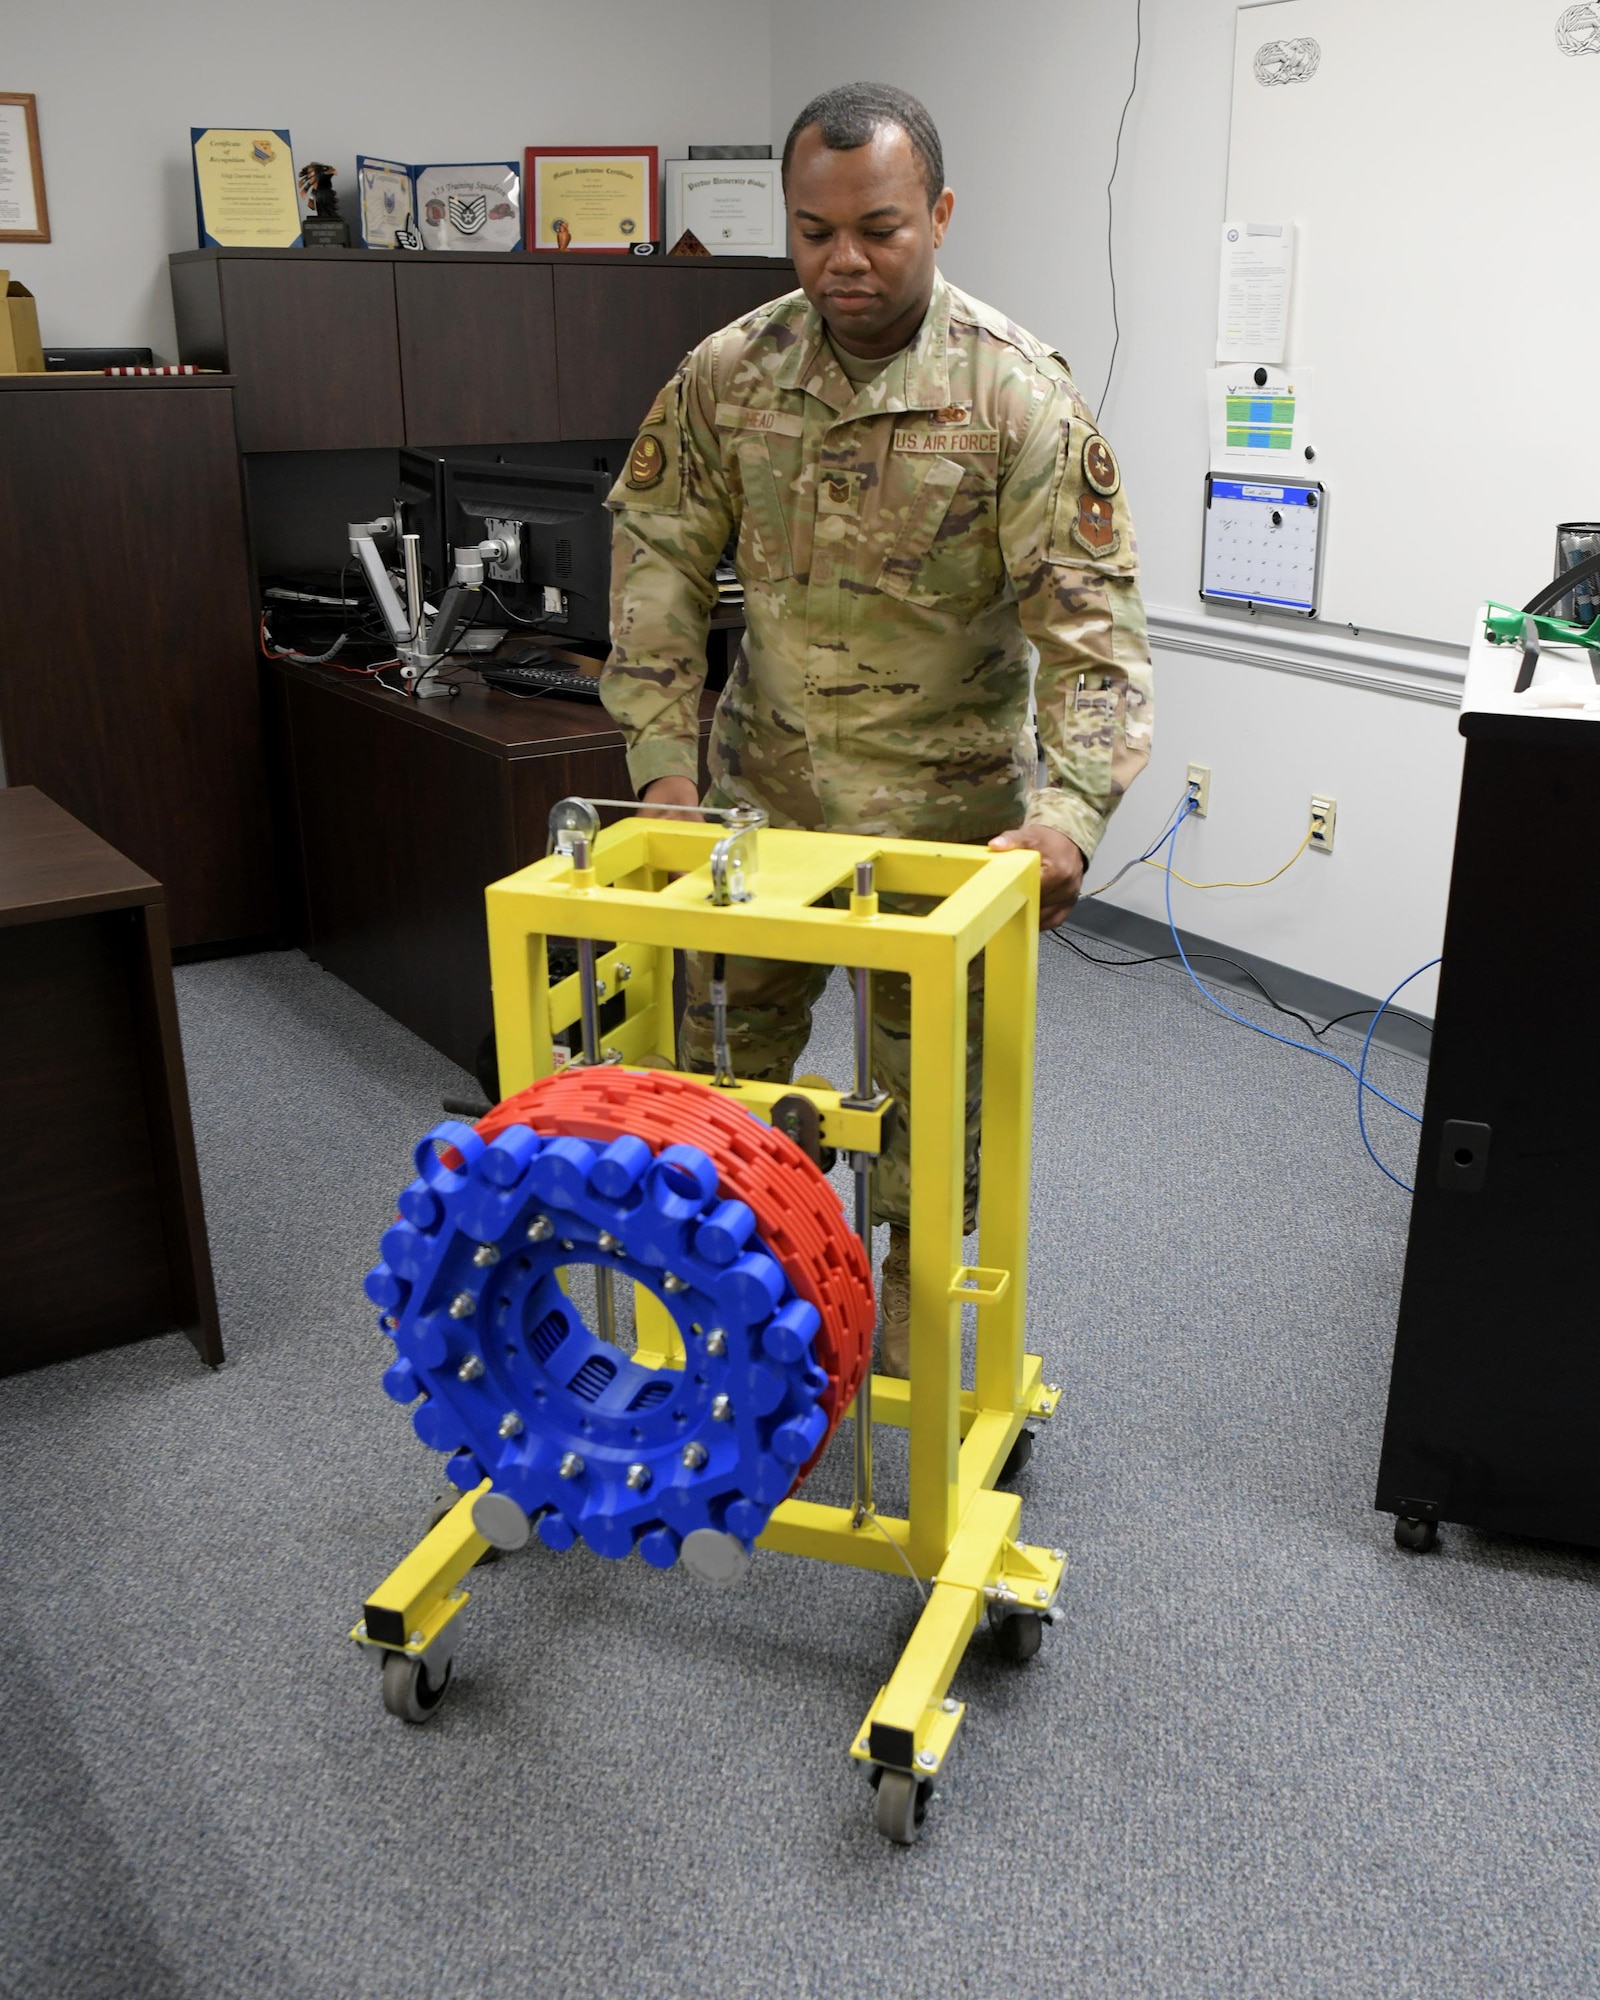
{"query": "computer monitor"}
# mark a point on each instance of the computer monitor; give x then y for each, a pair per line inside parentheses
(559, 576)
(420, 505)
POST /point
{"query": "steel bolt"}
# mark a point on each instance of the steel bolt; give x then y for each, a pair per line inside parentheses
(623, 972)
(950, 1704)
(1041, 1595)
(470, 1369)
(362, 1628)
(391, 1322)
(541, 1229)
(485, 1255)
(463, 1305)
(416, 1639)
(1058, 1555)
(567, 1243)
(600, 986)
(1050, 1389)
(927, 1759)
(695, 1455)
(571, 1465)
(722, 1408)
(673, 1283)
(864, 1744)
(716, 1341)
(638, 1477)
(606, 1241)
(510, 1425)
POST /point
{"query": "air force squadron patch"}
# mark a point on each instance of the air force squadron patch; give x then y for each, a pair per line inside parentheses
(1100, 466)
(1093, 529)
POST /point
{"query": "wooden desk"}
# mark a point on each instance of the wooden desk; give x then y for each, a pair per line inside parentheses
(105, 1237)
(397, 816)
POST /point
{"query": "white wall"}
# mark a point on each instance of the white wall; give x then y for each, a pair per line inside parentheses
(1026, 96)
(118, 93)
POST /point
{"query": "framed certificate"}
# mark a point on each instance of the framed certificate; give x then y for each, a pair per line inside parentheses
(23, 215)
(473, 205)
(592, 197)
(244, 188)
(388, 201)
(734, 207)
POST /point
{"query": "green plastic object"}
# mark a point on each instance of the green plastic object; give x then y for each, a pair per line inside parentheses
(1507, 627)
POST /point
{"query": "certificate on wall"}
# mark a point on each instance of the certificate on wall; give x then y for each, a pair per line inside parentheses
(591, 197)
(244, 188)
(735, 207)
(23, 215)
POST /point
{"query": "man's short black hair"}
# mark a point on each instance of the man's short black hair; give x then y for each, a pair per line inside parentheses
(848, 116)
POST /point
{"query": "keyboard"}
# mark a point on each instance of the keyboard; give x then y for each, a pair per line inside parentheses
(540, 676)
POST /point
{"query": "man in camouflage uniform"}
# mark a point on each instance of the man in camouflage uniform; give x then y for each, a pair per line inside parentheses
(918, 491)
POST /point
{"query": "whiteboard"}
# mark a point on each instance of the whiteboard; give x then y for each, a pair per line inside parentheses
(1442, 161)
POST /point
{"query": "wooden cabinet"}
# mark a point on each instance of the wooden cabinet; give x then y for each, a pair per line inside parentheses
(350, 348)
(477, 353)
(105, 1236)
(617, 341)
(128, 684)
(312, 342)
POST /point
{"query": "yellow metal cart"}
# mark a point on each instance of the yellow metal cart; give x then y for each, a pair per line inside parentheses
(633, 894)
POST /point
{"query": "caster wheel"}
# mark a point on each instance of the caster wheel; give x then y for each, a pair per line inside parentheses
(1417, 1536)
(901, 1805)
(1020, 1636)
(407, 1691)
(1016, 1458)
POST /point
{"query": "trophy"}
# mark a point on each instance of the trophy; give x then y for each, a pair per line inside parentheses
(324, 228)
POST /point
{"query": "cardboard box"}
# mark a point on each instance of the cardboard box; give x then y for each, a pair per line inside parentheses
(20, 349)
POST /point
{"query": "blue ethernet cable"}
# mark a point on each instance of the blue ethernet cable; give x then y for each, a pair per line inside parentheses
(1361, 1079)
(1288, 1041)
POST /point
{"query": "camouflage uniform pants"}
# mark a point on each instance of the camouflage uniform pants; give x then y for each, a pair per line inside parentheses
(769, 1024)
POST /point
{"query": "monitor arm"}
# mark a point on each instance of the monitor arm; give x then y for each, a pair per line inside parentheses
(420, 644)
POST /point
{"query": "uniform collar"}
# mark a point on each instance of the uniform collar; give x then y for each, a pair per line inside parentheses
(918, 380)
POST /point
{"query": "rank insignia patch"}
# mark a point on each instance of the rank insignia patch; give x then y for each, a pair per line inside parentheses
(646, 463)
(1093, 529)
(953, 413)
(1100, 466)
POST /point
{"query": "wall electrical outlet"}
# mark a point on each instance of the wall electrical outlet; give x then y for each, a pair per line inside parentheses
(1199, 782)
(1323, 813)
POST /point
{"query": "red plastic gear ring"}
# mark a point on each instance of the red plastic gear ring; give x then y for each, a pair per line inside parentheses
(797, 1211)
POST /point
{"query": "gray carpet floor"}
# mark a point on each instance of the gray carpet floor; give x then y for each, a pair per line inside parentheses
(1264, 1754)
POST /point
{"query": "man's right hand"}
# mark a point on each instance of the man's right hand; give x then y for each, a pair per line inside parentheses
(664, 798)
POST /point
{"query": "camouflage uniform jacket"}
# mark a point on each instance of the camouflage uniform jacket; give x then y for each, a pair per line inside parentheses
(899, 546)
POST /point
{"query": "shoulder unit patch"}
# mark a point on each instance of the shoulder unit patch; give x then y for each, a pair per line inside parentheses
(1100, 466)
(646, 463)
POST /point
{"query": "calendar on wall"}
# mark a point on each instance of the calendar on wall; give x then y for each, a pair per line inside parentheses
(1262, 544)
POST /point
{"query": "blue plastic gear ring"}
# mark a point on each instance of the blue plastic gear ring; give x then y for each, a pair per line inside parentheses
(585, 1440)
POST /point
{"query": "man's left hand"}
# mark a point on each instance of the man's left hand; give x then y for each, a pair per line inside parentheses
(1061, 866)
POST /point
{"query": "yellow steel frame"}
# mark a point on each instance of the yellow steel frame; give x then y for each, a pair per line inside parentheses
(647, 893)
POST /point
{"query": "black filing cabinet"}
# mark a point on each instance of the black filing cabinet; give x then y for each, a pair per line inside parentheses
(1494, 1402)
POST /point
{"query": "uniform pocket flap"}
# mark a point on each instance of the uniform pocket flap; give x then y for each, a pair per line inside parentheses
(763, 511)
(902, 566)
